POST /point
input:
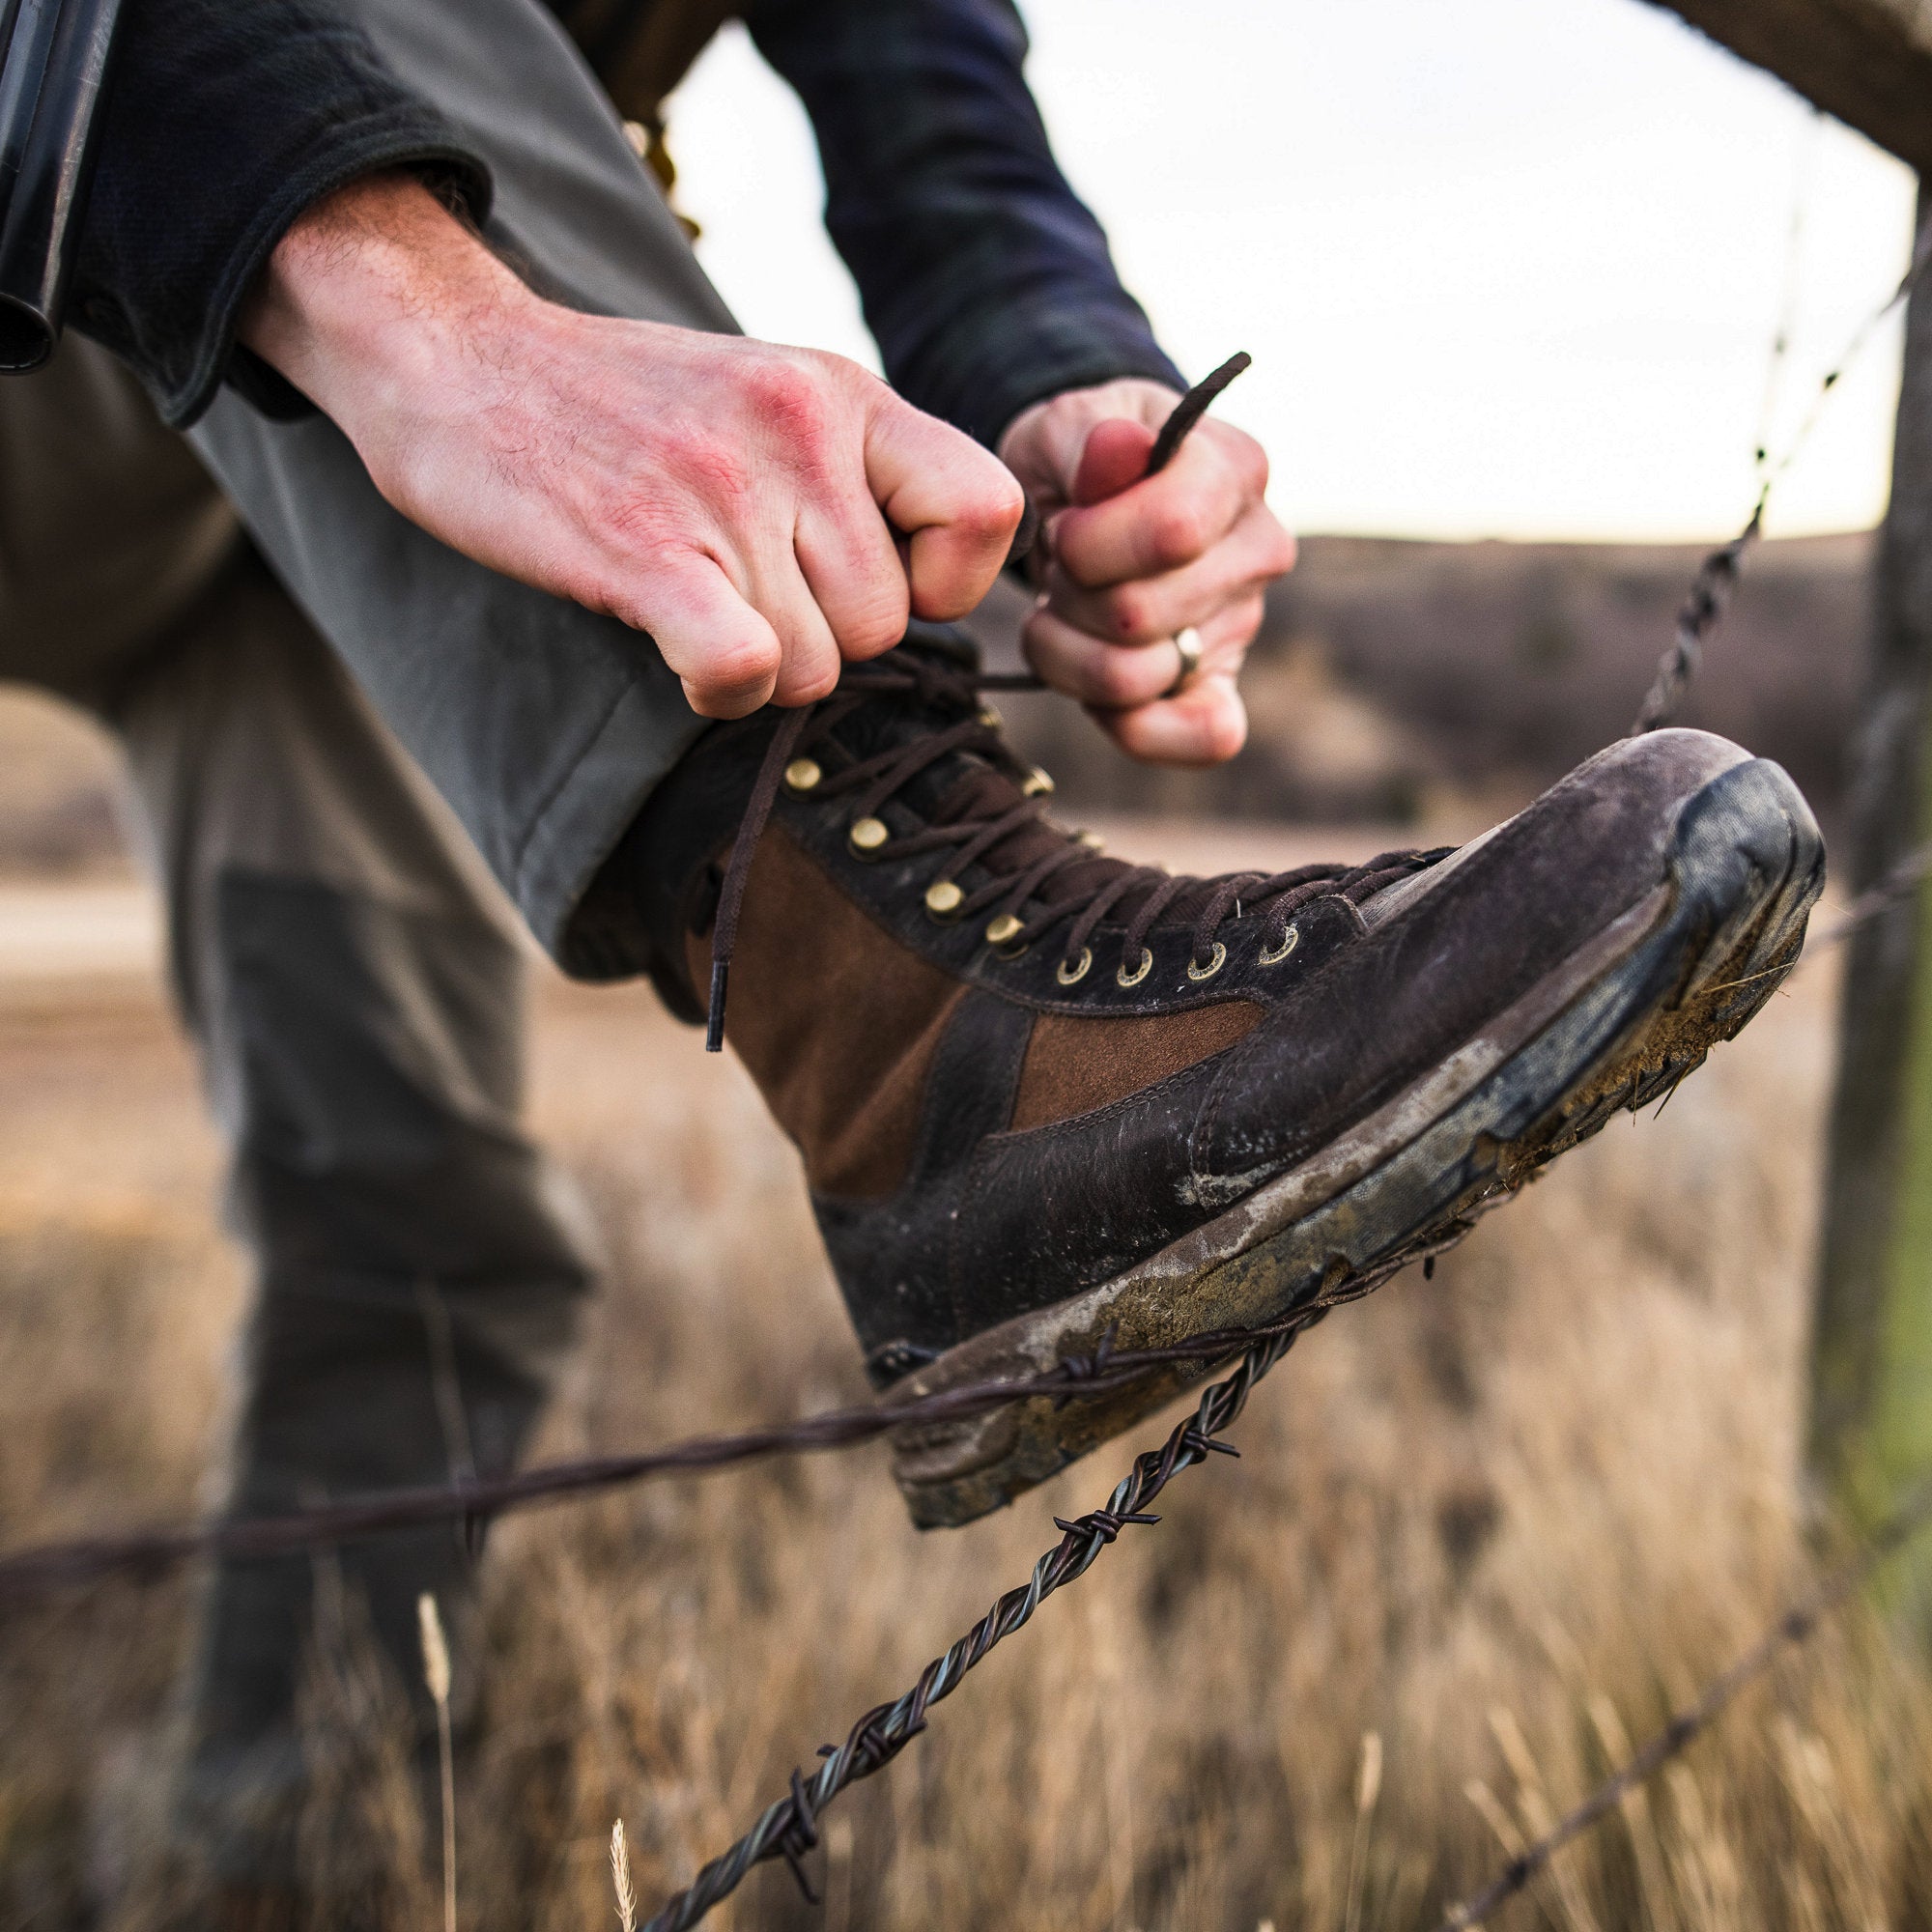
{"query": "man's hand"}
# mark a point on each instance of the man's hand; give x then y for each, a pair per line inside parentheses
(764, 513)
(1131, 559)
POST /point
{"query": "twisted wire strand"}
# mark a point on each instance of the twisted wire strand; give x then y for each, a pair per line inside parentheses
(1716, 578)
(41, 1570)
(789, 1826)
(38, 1571)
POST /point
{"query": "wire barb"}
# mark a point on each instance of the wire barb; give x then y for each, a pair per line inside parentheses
(882, 1733)
(1717, 575)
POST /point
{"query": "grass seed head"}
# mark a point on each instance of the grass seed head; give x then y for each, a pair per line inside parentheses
(436, 1652)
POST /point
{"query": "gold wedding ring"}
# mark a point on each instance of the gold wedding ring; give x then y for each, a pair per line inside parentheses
(1188, 644)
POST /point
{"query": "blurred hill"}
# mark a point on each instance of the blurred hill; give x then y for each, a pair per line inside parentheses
(1391, 672)
(1394, 680)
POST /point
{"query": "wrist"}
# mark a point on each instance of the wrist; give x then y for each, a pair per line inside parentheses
(371, 298)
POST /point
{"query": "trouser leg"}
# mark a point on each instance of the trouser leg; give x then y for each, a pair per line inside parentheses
(353, 982)
(543, 726)
(358, 1000)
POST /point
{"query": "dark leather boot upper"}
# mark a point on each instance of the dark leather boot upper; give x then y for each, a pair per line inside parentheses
(1001, 1098)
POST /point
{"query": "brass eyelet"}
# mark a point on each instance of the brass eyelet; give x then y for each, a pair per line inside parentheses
(1070, 972)
(1092, 840)
(1002, 929)
(1289, 940)
(990, 717)
(1012, 953)
(803, 773)
(1123, 978)
(1197, 971)
(866, 835)
(943, 898)
(1038, 782)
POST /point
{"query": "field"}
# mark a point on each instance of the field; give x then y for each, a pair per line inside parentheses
(1495, 1522)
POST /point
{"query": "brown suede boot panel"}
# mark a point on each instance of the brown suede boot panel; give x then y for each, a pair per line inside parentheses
(834, 1018)
(1075, 1064)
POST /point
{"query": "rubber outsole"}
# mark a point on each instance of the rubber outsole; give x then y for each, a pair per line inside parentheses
(1624, 1018)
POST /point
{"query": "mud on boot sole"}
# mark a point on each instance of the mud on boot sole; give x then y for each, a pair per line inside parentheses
(1622, 1020)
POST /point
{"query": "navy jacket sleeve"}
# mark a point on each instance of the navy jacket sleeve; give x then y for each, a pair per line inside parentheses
(226, 119)
(986, 283)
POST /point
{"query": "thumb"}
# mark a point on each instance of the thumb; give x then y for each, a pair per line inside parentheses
(1114, 458)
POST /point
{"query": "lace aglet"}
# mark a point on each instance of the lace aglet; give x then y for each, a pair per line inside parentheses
(714, 1019)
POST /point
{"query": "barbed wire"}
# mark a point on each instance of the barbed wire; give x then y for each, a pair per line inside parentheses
(788, 1828)
(1716, 577)
(40, 1570)
(30, 1573)
(1793, 1626)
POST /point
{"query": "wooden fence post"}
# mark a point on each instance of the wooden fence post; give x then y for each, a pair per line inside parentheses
(1871, 1385)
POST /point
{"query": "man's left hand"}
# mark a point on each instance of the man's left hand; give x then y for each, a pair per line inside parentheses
(1131, 559)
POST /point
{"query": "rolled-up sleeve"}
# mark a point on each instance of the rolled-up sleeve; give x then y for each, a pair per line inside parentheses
(986, 283)
(225, 120)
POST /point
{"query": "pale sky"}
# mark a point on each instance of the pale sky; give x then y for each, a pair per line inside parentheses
(1507, 268)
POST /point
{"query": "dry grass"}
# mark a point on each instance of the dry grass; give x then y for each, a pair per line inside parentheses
(1497, 1521)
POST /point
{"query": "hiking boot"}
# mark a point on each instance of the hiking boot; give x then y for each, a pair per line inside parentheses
(1049, 1101)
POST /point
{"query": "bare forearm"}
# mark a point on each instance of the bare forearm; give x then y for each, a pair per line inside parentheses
(371, 291)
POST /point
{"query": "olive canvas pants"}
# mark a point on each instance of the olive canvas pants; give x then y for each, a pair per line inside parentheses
(356, 757)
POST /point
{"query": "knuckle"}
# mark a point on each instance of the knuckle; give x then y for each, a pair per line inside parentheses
(1116, 678)
(1250, 462)
(991, 512)
(746, 664)
(1247, 618)
(1176, 532)
(809, 685)
(868, 632)
(790, 401)
(1128, 615)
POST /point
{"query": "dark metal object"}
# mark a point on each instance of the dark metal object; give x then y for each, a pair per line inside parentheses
(788, 1827)
(52, 72)
(1792, 1627)
(28, 1574)
(1717, 575)
(1702, 613)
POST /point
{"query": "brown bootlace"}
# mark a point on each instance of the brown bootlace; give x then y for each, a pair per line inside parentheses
(969, 839)
(972, 836)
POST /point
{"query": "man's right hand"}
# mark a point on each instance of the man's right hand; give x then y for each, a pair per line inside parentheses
(764, 513)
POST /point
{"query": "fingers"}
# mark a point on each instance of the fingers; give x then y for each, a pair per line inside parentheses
(1251, 556)
(852, 571)
(1114, 458)
(1206, 725)
(727, 655)
(1167, 521)
(1115, 677)
(959, 505)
